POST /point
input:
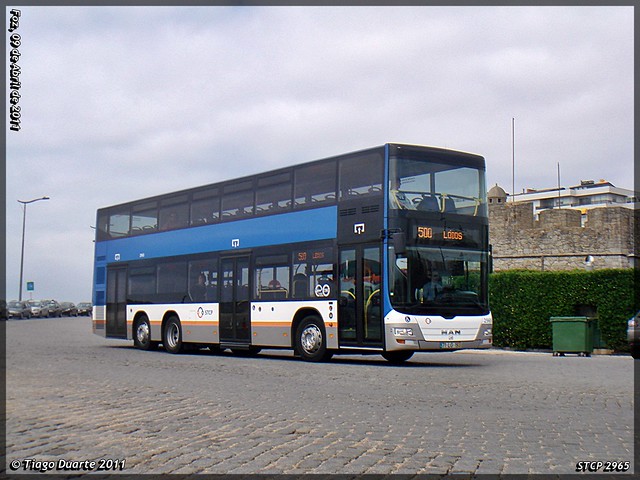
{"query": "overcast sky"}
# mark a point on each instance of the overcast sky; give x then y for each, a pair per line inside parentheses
(123, 103)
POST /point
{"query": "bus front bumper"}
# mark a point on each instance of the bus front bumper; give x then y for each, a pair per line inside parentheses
(430, 334)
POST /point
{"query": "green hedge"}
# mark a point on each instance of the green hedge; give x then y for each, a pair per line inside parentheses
(522, 302)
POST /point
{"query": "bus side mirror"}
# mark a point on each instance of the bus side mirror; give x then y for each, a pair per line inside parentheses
(400, 243)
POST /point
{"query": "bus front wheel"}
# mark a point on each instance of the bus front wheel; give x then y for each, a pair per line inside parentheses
(142, 334)
(311, 341)
(173, 335)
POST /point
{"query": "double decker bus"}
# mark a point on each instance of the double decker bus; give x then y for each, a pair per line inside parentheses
(383, 250)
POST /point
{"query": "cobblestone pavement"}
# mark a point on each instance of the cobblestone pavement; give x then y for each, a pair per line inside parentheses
(74, 396)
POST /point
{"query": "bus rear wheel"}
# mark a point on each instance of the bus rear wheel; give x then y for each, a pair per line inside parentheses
(311, 342)
(398, 357)
(172, 335)
(142, 334)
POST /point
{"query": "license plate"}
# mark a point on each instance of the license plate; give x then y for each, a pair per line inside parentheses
(449, 345)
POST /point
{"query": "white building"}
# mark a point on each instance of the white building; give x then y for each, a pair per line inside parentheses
(589, 194)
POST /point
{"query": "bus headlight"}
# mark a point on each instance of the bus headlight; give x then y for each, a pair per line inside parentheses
(403, 332)
(487, 332)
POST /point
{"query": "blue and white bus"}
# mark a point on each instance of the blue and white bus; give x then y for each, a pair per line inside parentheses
(383, 250)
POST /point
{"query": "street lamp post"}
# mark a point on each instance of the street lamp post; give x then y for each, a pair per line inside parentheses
(24, 221)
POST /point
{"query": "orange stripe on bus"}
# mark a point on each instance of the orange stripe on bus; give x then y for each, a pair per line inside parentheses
(271, 324)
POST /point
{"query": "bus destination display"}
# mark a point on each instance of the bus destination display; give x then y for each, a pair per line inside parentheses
(460, 236)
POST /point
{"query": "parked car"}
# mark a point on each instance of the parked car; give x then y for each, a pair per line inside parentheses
(17, 309)
(38, 309)
(633, 335)
(68, 309)
(85, 308)
(54, 308)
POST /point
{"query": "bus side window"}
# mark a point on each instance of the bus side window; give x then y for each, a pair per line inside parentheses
(205, 207)
(315, 184)
(300, 285)
(212, 287)
(172, 282)
(142, 285)
(273, 193)
(237, 200)
(361, 176)
(313, 274)
(174, 213)
(203, 281)
(144, 218)
(272, 278)
(119, 224)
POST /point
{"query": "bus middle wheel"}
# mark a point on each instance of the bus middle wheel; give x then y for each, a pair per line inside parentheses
(173, 335)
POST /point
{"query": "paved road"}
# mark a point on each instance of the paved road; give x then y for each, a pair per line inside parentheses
(77, 397)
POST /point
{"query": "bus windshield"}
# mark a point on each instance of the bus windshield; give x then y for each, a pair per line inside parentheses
(430, 280)
(417, 184)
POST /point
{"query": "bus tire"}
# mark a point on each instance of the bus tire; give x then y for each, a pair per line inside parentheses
(398, 357)
(172, 335)
(311, 343)
(142, 334)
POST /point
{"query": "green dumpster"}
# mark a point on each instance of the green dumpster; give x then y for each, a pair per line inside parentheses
(573, 335)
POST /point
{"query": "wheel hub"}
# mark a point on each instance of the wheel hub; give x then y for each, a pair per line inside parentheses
(311, 339)
(143, 333)
(173, 336)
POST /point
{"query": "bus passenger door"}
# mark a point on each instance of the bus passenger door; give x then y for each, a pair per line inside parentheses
(235, 324)
(360, 310)
(116, 325)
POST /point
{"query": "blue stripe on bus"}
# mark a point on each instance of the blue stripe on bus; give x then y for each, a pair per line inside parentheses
(303, 226)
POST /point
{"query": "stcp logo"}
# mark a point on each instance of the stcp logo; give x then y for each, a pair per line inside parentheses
(201, 312)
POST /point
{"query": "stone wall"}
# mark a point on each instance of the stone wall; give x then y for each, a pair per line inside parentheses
(559, 241)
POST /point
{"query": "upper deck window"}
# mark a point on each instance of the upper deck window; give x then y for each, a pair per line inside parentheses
(113, 223)
(315, 184)
(361, 176)
(119, 224)
(174, 212)
(273, 193)
(144, 218)
(205, 206)
(237, 200)
(425, 185)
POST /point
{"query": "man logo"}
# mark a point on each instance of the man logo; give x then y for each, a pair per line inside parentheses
(451, 332)
(358, 228)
